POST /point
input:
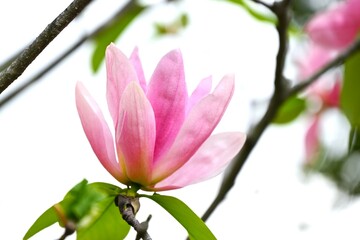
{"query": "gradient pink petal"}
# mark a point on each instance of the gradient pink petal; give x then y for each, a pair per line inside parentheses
(136, 62)
(331, 98)
(136, 138)
(210, 160)
(119, 73)
(312, 140)
(335, 28)
(198, 126)
(353, 7)
(97, 132)
(313, 61)
(200, 91)
(168, 96)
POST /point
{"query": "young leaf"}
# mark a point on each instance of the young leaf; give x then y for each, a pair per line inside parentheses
(350, 97)
(48, 218)
(195, 227)
(91, 207)
(290, 110)
(113, 31)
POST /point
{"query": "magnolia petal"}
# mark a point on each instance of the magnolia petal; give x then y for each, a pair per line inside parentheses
(168, 96)
(316, 57)
(210, 160)
(97, 132)
(199, 124)
(312, 142)
(200, 91)
(331, 97)
(136, 62)
(136, 137)
(119, 73)
(333, 28)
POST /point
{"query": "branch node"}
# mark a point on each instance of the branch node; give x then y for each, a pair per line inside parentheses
(128, 207)
(70, 228)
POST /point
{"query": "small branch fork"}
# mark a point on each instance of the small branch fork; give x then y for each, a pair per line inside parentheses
(282, 92)
(128, 211)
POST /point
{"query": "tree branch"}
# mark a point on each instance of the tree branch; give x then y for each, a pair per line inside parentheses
(17, 67)
(281, 93)
(64, 55)
(281, 10)
(262, 3)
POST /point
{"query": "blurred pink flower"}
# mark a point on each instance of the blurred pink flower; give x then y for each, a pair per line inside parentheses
(326, 92)
(337, 27)
(314, 59)
(312, 140)
(162, 136)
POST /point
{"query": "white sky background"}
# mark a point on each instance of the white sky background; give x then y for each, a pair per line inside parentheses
(44, 151)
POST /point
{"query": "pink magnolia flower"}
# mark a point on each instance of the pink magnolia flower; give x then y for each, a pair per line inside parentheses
(337, 27)
(325, 91)
(162, 137)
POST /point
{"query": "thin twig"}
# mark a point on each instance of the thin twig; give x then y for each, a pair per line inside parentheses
(281, 10)
(262, 3)
(18, 66)
(67, 53)
(43, 72)
(337, 61)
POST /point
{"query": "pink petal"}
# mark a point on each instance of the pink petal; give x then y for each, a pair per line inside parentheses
(331, 97)
(352, 11)
(168, 96)
(210, 160)
(314, 60)
(136, 62)
(201, 91)
(334, 28)
(97, 132)
(136, 136)
(119, 73)
(199, 124)
(312, 140)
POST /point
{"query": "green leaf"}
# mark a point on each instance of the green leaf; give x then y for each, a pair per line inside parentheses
(109, 189)
(173, 27)
(91, 207)
(354, 139)
(79, 201)
(104, 223)
(290, 110)
(195, 227)
(48, 218)
(113, 30)
(350, 94)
